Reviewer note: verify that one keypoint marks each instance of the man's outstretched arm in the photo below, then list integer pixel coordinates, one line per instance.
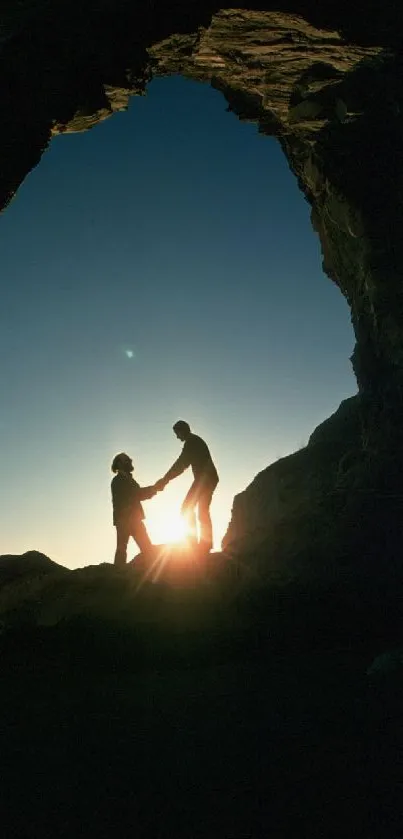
(176, 469)
(147, 492)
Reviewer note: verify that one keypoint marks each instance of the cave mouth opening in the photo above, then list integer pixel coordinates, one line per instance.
(167, 268)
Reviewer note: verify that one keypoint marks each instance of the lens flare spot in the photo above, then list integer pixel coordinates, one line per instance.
(168, 529)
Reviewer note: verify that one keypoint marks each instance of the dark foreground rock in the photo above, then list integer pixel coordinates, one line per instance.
(199, 704)
(330, 516)
(28, 566)
(212, 608)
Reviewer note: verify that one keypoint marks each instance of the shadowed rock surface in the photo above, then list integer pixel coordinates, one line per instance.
(25, 566)
(295, 487)
(217, 707)
(36, 592)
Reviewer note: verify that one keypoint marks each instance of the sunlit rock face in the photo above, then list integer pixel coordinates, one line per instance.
(335, 106)
(324, 78)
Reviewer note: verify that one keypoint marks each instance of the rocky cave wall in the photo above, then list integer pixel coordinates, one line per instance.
(325, 81)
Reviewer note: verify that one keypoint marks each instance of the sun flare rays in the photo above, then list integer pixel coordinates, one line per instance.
(168, 529)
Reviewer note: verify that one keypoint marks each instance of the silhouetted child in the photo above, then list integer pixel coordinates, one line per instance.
(128, 513)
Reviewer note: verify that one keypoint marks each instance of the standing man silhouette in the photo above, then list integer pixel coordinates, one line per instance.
(128, 513)
(195, 453)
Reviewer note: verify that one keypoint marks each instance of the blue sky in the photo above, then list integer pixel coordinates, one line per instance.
(177, 233)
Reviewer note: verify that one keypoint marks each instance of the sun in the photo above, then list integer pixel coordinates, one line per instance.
(175, 529)
(167, 529)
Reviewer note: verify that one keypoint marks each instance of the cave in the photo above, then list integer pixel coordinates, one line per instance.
(244, 710)
(327, 84)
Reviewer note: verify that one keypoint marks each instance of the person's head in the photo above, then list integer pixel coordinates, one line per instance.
(122, 463)
(182, 429)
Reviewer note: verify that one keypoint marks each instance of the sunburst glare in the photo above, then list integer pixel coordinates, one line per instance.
(168, 529)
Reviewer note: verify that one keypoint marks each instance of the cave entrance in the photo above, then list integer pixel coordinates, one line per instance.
(160, 266)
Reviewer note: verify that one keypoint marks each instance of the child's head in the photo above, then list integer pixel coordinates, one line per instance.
(122, 463)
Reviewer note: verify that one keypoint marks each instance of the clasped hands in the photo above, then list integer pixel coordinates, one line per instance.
(150, 491)
(160, 485)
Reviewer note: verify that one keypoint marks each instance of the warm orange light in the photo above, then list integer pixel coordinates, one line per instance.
(168, 529)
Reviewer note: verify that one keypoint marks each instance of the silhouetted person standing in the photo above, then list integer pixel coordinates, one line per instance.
(195, 453)
(128, 513)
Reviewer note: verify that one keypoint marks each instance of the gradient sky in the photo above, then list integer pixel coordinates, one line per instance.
(176, 235)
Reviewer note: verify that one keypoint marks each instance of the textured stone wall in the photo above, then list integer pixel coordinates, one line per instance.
(336, 108)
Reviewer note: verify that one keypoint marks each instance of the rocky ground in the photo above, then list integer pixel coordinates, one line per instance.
(198, 705)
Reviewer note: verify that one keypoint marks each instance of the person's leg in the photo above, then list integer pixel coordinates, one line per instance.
(206, 527)
(141, 537)
(122, 538)
(188, 512)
